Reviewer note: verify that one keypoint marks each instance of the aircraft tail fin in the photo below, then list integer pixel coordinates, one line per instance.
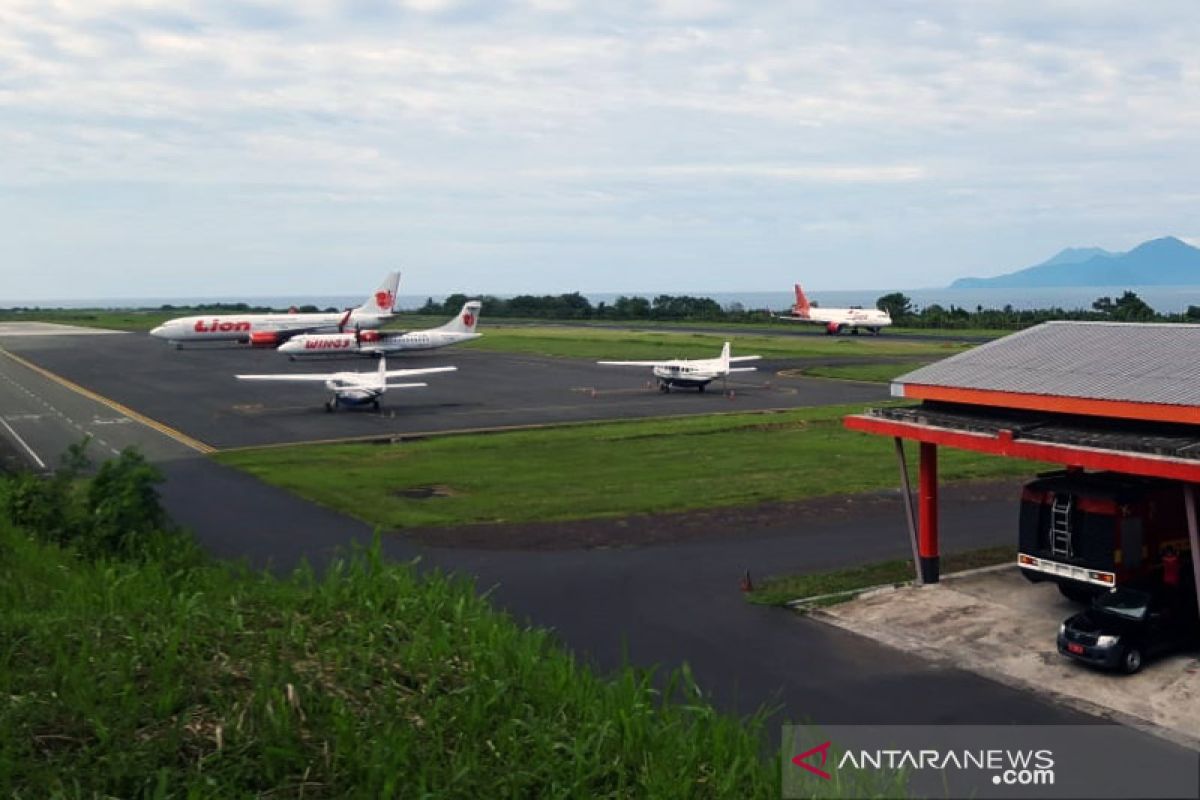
(466, 320)
(802, 307)
(383, 299)
(725, 357)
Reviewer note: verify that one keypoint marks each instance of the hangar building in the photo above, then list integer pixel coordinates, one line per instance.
(1121, 398)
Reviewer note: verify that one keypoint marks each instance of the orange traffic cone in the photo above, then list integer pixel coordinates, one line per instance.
(747, 584)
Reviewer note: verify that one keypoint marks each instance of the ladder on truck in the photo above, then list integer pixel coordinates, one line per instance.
(1060, 525)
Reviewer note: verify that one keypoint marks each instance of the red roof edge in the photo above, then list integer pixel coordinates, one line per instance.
(1004, 444)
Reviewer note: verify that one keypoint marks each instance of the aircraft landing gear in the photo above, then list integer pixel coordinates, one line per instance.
(854, 331)
(664, 387)
(330, 405)
(375, 404)
(700, 388)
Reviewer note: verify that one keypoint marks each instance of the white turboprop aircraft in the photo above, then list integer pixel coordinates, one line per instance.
(269, 330)
(377, 343)
(838, 320)
(356, 388)
(684, 372)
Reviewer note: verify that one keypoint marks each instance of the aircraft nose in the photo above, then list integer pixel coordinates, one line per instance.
(160, 331)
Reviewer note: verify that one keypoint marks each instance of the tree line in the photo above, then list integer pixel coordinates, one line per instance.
(575, 306)
(1128, 307)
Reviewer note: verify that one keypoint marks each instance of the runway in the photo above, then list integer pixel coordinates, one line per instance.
(40, 417)
(193, 391)
(785, 329)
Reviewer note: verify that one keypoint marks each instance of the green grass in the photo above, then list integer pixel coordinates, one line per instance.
(148, 679)
(952, 333)
(598, 343)
(780, 590)
(94, 318)
(600, 470)
(880, 373)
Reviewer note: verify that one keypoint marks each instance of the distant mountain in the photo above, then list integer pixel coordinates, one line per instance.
(1158, 262)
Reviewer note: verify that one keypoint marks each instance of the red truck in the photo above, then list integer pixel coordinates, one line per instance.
(1092, 531)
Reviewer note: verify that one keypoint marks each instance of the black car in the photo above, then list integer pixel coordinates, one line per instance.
(1127, 625)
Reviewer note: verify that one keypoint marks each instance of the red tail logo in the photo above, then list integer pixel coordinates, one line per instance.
(468, 319)
(802, 307)
(821, 750)
(384, 299)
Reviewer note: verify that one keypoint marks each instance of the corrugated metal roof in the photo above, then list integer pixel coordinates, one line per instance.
(1135, 362)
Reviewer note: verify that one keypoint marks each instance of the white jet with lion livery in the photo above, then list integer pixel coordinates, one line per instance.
(355, 388)
(271, 330)
(838, 320)
(695, 373)
(377, 343)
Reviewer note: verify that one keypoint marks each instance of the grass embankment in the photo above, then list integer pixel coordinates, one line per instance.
(883, 372)
(169, 675)
(780, 590)
(599, 343)
(598, 470)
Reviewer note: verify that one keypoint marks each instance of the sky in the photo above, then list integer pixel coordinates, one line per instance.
(219, 148)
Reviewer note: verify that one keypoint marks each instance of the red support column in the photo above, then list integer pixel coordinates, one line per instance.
(928, 502)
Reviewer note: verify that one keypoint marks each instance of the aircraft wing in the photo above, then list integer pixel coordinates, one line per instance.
(400, 373)
(406, 385)
(633, 363)
(744, 358)
(307, 376)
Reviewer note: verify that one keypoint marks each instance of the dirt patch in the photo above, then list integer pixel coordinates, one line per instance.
(716, 523)
(425, 492)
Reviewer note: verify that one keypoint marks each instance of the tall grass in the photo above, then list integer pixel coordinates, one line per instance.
(155, 679)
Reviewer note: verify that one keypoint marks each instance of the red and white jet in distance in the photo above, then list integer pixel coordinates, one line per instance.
(838, 320)
(697, 373)
(355, 388)
(271, 330)
(375, 343)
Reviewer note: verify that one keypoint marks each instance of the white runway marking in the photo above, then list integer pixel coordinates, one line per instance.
(54, 411)
(41, 464)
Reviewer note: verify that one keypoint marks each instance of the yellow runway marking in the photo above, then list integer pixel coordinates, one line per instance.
(165, 430)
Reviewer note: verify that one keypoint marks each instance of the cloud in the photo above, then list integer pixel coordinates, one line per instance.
(642, 130)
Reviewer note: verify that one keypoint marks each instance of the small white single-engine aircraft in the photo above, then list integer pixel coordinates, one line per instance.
(697, 373)
(838, 320)
(355, 388)
(377, 343)
(270, 330)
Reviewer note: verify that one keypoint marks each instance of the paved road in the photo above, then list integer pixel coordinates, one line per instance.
(652, 605)
(194, 391)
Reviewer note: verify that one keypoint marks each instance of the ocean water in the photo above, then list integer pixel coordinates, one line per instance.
(1166, 299)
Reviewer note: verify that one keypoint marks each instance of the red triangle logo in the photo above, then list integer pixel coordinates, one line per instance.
(802, 760)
